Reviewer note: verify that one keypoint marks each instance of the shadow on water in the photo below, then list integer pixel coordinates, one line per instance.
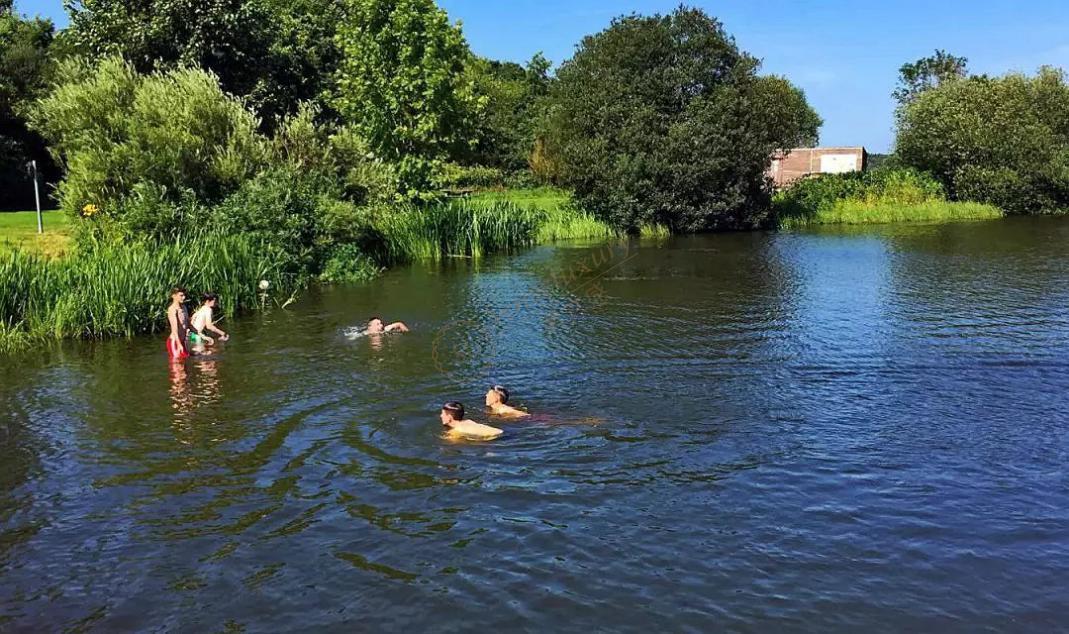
(830, 429)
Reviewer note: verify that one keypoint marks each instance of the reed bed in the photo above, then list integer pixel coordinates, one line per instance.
(121, 289)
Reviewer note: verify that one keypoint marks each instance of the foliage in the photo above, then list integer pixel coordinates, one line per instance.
(25, 67)
(172, 136)
(515, 103)
(456, 177)
(885, 195)
(121, 288)
(280, 206)
(404, 87)
(927, 73)
(275, 52)
(1003, 141)
(347, 264)
(663, 120)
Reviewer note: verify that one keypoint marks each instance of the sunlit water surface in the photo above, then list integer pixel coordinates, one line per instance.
(839, 430)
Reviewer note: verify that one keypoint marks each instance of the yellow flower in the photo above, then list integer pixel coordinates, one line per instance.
(89, 210)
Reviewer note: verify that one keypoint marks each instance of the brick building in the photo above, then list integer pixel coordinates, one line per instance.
(801, 162)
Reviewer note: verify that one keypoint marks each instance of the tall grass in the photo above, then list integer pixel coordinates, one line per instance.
(121, 289)
(850, 212)
(476, 228)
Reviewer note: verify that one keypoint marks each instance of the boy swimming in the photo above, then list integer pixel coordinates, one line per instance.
(178, 320)
(202, 321)
(452, 416)
(376, 326)
(497, 399)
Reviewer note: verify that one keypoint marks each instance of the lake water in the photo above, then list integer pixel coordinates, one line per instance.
(835, 431)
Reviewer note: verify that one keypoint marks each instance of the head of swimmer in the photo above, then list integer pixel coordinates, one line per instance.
(178, 295)
(451, 413)
(375, 325)
(497, 395)
(209, 299)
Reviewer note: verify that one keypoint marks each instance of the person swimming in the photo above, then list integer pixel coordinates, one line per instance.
(375, 326)
(497, 399)
(452, 417)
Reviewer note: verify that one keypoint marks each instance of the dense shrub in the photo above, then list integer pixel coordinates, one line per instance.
(114, 130)
(884, 195)
(811, 195)
(663, 120)
(1000, 140)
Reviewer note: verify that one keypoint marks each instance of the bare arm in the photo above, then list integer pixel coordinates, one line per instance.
(172, 319)
(397, 326)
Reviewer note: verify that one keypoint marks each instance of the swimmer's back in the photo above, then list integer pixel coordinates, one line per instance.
(474, 431)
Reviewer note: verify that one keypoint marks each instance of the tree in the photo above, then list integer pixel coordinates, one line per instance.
(1003, 140)
(275, 53)
(163, 137)
(927, 73)
(403, 84)
(515, 103)
(25, 66)
(663, 119)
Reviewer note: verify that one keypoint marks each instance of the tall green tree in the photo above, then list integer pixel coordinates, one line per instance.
(275, 53)
(663, 119)
(1002, 140)
(403, 84)
(515, 98)
(25, 66)
(927, 73)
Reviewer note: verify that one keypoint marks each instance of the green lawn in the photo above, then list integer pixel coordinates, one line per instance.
(18, 229)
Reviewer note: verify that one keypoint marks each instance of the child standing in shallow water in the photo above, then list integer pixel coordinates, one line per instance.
(203, 321)
(178, 320)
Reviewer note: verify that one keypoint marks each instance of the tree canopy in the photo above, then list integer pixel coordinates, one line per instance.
(928, 72)
(663, 119)
(275, 53)
(25, 66)
(403, 84)
(1001, 140)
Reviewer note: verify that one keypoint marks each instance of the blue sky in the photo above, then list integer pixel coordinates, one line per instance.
(845, 54)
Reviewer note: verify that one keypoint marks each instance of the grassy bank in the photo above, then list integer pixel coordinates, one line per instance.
(881, 196)
(18, 230)
(851, 212)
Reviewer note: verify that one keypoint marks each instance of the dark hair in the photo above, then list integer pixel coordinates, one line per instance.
(455, 408)
(178, 289)
(503, 391)
(208, 297)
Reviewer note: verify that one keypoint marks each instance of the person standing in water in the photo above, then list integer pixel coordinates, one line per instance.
(452, 417)
(202, 321)
(497, 399)
(178, 320)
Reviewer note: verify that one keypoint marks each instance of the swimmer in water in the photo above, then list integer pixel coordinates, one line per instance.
(497, 402)
(452, 417)
(375, 326)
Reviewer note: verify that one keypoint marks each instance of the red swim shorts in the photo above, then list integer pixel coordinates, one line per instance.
(175, 350)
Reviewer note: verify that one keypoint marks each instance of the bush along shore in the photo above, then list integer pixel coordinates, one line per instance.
(880, 196)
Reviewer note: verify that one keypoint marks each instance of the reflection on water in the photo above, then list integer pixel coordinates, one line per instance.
(832, 430)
